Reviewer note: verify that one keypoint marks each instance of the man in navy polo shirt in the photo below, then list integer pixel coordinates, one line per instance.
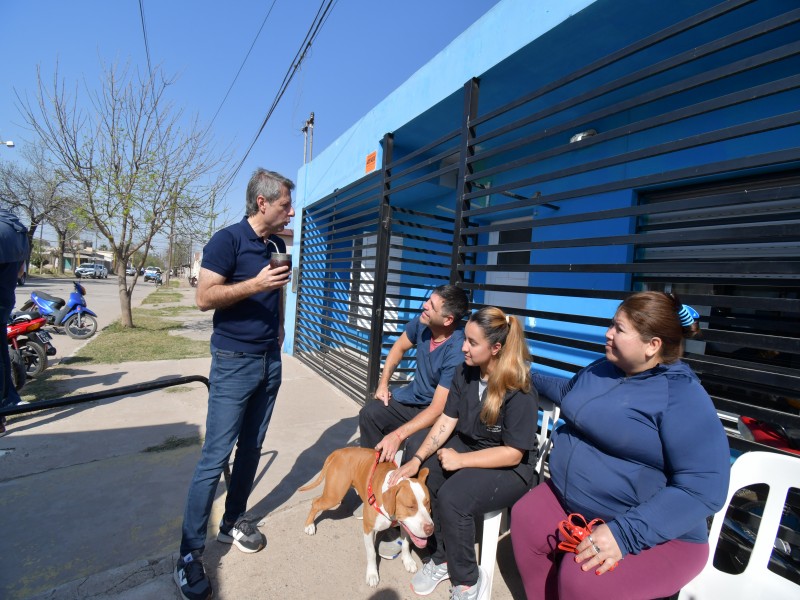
(247, 297)
(13, 254)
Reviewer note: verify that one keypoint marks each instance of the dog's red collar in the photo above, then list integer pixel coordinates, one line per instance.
(371, 500)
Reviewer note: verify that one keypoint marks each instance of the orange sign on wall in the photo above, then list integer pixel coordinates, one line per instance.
(372, 158)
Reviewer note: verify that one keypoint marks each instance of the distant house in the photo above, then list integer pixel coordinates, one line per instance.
(555, 157)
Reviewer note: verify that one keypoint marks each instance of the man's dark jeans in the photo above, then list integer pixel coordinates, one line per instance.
(240, 403)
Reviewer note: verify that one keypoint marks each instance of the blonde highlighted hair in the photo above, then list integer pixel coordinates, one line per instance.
(512, 371)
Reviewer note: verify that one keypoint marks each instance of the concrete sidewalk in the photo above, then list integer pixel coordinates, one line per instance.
(92, 496)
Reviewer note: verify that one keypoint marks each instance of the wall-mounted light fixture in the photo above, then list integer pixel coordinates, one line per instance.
(582, 135)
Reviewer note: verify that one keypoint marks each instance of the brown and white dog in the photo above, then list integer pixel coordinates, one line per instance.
(407, 503)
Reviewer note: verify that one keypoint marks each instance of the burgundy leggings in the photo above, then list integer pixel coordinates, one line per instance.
(547, 574)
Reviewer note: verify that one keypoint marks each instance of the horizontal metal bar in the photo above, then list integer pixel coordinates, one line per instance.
(791, 268)
(728, 199)
(424, 149)
(629, 50)
(684, 143)
(720, 367)
(724, 167)
(713, 104)
(753, 340)
(125, 390)
(757, 412)
(755, 233)
(344, 192)
(677, 60)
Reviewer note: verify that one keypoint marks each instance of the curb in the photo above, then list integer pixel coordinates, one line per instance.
(112, 582)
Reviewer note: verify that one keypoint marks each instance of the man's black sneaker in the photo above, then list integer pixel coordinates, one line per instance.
(243, 534)
(191, 579)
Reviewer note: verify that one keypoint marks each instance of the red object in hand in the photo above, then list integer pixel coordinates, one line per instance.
(574, 529)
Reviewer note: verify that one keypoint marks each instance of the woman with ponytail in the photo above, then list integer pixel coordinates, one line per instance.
(481, 452)
(641, 450)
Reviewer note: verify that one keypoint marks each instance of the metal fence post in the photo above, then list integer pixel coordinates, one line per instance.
(374, 352)
(471, 92)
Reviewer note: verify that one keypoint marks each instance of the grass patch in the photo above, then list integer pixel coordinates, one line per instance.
(162, 296)
(164, 311)
(173, 443)
(149, 338)
(52, 384)
(142, 343)
(178, 389)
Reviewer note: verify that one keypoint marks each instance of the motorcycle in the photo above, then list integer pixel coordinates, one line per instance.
(18, 375)
(770, 434)
(73, 315)
(24, 335)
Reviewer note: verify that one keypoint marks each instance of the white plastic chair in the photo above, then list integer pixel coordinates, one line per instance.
(779, 472)
(492, 521)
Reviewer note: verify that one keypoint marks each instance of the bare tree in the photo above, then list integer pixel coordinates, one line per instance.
(69, 222)
(32, 190)
(133, 156)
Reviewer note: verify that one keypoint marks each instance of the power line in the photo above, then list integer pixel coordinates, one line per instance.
(319, 20)
(146, 44)
(264, 22)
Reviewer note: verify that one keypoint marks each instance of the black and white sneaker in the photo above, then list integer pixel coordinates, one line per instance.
(190, 577)
(243, 534)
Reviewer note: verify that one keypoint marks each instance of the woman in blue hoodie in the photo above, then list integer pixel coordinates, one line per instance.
(641, 448)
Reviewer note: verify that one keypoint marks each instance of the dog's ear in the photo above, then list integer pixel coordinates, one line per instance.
(390, 499)
(423, 475)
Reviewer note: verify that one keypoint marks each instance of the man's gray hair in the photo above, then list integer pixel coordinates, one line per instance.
(268, 184)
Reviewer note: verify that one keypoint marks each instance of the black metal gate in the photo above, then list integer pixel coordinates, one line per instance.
(557, 204)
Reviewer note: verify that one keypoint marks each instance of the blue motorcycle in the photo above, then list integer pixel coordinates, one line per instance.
(77, 320)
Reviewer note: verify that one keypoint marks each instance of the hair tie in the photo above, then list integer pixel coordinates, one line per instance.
(508, 321)
(687, 315)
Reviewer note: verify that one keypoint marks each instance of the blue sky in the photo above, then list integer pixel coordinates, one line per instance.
(363, 52)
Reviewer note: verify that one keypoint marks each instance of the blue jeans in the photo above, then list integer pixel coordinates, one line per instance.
(240, 402)
(8, 394)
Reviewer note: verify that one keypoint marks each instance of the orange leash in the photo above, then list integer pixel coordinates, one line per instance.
(574, 529)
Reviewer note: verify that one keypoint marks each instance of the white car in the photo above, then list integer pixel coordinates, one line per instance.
(152, 274)
(93, 270)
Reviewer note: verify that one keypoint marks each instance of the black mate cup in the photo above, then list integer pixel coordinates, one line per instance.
(280, 259)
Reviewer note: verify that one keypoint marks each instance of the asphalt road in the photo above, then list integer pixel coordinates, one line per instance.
(102, 298)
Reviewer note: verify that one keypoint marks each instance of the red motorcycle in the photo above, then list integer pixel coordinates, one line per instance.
(24, 335)
(769, 434)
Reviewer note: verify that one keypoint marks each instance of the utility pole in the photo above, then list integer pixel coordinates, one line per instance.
(174, 194)
(308, 138)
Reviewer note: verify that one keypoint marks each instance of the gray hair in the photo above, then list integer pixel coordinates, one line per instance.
(267, 184)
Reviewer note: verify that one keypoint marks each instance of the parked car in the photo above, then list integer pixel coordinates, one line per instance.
(130, 271)
(23, 278)
(93, 270)
(152, 274)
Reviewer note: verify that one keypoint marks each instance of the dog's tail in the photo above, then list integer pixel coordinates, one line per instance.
(319, 479)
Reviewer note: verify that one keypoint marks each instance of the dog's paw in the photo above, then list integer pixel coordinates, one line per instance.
(409, 564)
(373, 578)
(310, 529)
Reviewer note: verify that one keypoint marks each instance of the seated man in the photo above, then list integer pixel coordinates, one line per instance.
(438, 336)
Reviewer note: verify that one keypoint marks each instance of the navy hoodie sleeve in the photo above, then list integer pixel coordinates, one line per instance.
(697, 464)
(554, 388)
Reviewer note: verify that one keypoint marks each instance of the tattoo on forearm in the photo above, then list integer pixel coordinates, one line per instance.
(436, 439)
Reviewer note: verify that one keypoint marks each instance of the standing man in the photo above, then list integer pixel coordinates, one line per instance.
(247, 297)
(13, 254)
(438, 335)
